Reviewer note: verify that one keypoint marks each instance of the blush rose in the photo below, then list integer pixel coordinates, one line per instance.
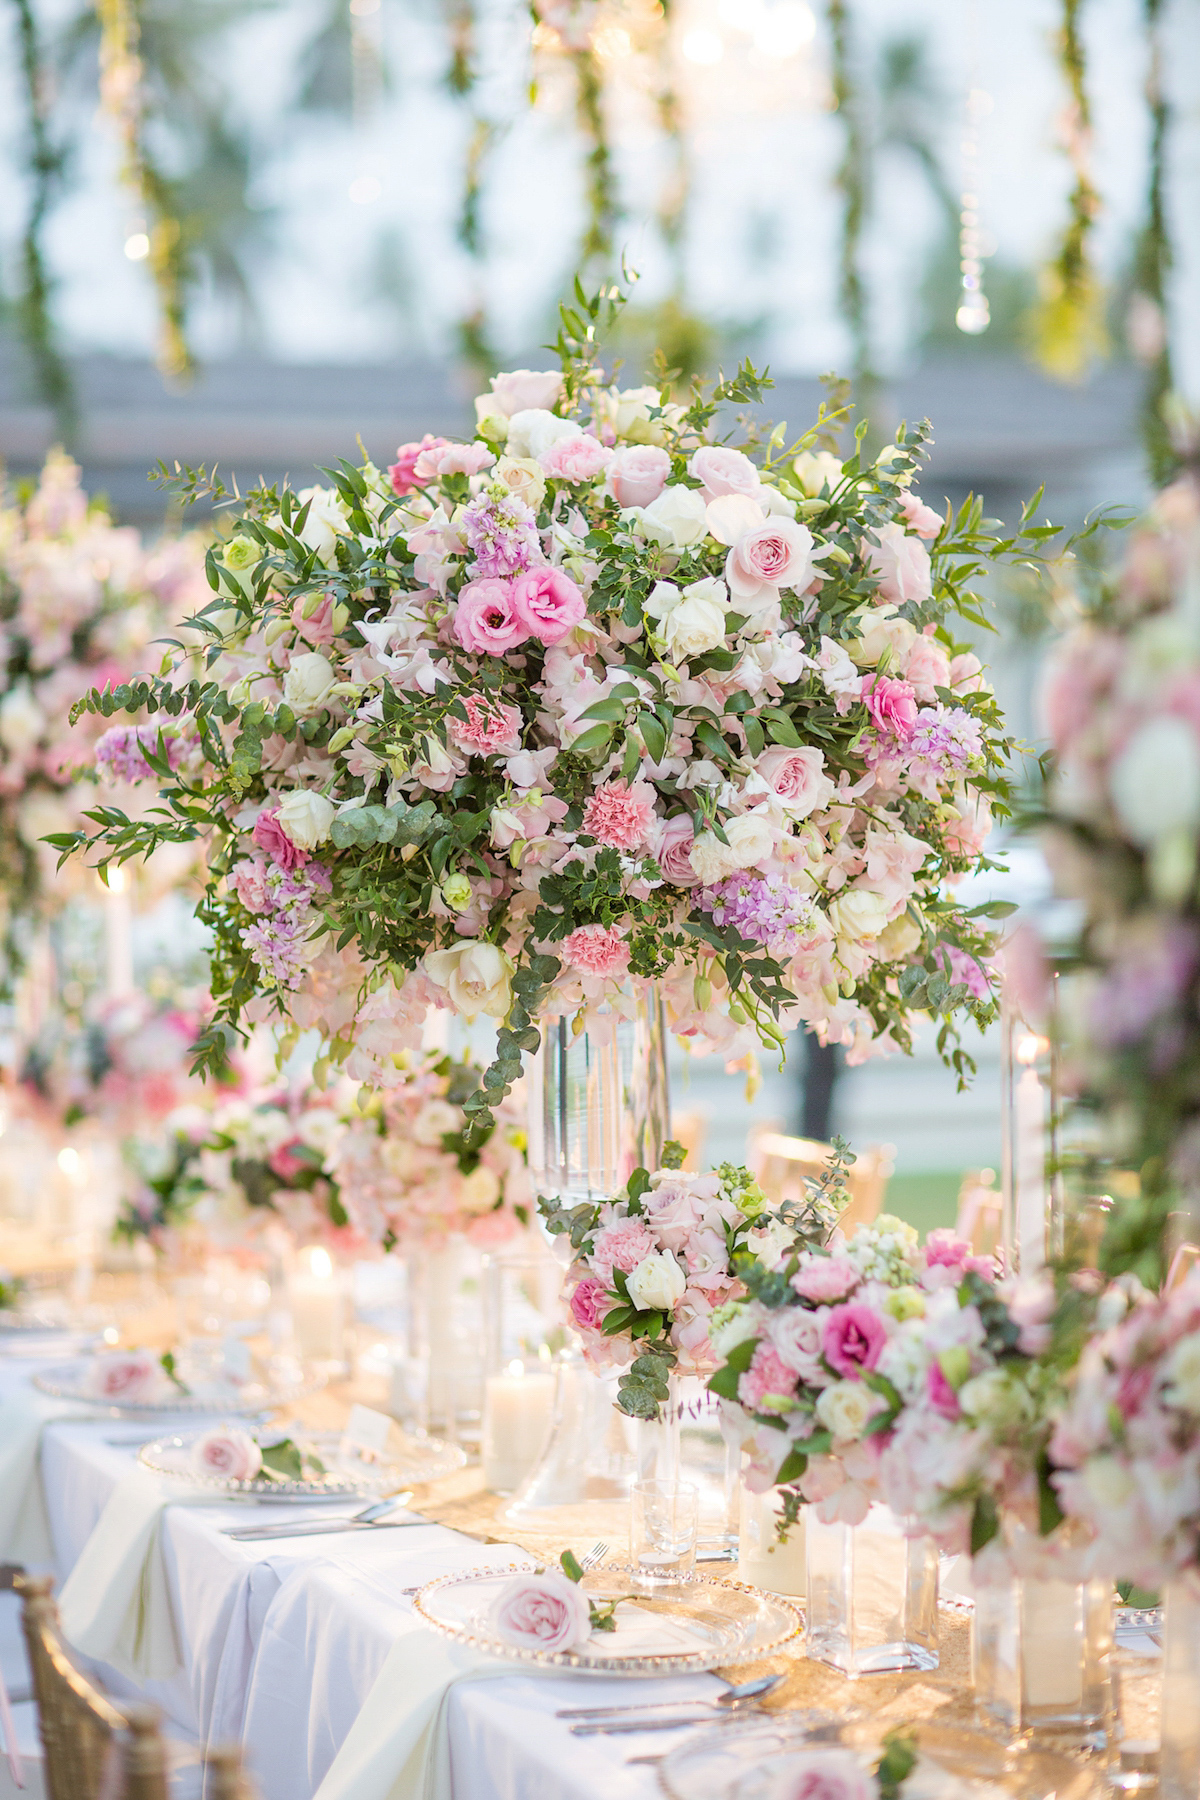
(541, 1612)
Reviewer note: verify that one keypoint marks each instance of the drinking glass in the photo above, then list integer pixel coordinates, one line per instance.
(1137, 1670)
(662, 1531)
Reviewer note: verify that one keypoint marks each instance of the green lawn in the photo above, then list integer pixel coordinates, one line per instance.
(924, 1200)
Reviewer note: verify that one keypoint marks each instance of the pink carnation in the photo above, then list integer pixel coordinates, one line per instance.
(270, 836)
(825, 1279)
(576, 458)
(622, 1245)
(589, 1303)
(490, 727)
(597, 950)
(548, 603)
(768, 1377)
(620, 815)
(891, 703)
(403, 472)
(250, 882)
(486, 619)
(854, 1338)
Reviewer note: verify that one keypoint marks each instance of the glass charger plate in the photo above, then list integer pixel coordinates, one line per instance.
(346, 1476)
(683, 1627)
(69, 1381)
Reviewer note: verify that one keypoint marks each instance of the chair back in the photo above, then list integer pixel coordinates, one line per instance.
(224, 1778)
(94, 1750)
(782, 1165)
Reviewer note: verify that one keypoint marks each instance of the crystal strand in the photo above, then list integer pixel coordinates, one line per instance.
(973, 315)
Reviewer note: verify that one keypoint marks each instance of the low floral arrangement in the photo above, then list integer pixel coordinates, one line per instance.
(137, 1377)
(603, 695)
(1120, 825)
(884, 1371)
(656, 1268)
(81, 601)
(1127, 1447)
(837, 1774)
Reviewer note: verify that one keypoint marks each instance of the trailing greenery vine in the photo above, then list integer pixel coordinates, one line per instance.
(1067, 326)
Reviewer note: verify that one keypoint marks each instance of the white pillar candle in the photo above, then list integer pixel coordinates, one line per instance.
(764, 1562)
(516, 1418)
(317, 1308)
(1052, 1646)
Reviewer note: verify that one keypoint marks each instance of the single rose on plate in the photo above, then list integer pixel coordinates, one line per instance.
(226, 1452)
(134, 1377)
(824, 1775)
(541, 1612)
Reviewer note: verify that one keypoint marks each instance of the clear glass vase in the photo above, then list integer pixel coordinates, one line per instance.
(1179, 1777)
(590, 1456)
(1040, 1655)
(598, 1101)
(446, 1361)
(872, 1595)
(764, 1560)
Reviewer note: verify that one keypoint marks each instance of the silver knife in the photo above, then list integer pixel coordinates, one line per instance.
(626, 1727)
(316, 1528)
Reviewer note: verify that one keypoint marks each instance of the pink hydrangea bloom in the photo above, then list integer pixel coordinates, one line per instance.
(270, 836)
(853, 1339)
(548, 603)
(620, 815)
(597, 950)
(403, 472)
(825, 1279)
(490, 728)
(768, 1378)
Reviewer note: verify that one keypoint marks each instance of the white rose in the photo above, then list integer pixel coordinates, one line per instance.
(858, 913)
(899, 938)
(479, 1191)
(326, 521)
(522, 477)
(994, 1400)
(308, 680)
(711, 859)
(846, 1408)
(435, 1119)
(627, 412)
(306, 817)
(813, 470)
(769, 1242)
(22, 720)
(532, 431)
(751, 838)
(676, 519)
(475, 975)
(1156, 780)
(658, 1281)
(881, 633)
(1108, 1482)
(694, 626)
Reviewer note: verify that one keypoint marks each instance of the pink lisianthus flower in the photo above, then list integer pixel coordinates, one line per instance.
(825, 1279)
(548, 603)
(270, 836)
(768, 1384)
(942, 1397)
(490, 728)
(576, 458)
(620, 815)
(589, 1303)
(919, 518)
(486, 620)
(403, 472)
(891, 703)
(638, 474)
(964, 969)
(597, 950)
(853, 1338)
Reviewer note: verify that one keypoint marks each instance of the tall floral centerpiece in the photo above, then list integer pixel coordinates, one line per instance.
(605, 695)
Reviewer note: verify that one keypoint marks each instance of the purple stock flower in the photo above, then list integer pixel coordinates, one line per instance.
(501, 532)
(963, 968)
(762, 908)
(119, 751)
(280, 936)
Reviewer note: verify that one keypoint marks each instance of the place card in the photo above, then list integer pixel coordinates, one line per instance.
(366, 1433)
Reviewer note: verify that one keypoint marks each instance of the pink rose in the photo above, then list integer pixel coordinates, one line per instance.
(486, 619)
(403, 472)
(918, 517)
(442, 458)
(966, 673)
(522, 389)
(270, 836)
(226, 1452)
(130, 1377)
(767, 1380)
(891, 703)
(775, 554)
(589, 1303)
(823, 1775)
(900, 564)
(638, 474)
(944, 1246)
(796, 1335)
(942, 1397)
(490, 728)
(250, 882)
(619, 815)
(576, 459)
(927, 669)
(796, 778)
(548, 603)
(674, 1208)
(597, 950)
(825, 1279)
(853, 1339)
(672, 851)
(724, 471)
(622, 1245)
(541, 1612)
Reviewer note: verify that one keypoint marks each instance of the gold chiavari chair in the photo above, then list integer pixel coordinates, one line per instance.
(781, 1165)
(224, 1778)
(94, 1750)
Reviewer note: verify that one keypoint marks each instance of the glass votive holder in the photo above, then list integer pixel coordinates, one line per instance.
(1137, 1677)
(663, 1525)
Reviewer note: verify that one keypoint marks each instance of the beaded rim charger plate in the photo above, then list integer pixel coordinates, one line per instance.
(705, 1623)
(69, 1381)
(345, 1477)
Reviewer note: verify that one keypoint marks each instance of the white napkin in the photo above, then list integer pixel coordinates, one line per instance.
(24, 1526)
(115, 1604)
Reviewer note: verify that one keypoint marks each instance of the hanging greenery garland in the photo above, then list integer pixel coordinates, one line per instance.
(122, 98)
(1067, 326)
(1152, 266)
(44, 162)
(851, 181)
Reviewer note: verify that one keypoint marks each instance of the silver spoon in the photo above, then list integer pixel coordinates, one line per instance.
(732, 1698)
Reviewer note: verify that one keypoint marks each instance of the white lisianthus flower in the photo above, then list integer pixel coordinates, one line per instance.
(22, 720)
(675, 520)
(657, 1282)
(306, 817)
(858, 913)
(838, 672)
(326, 521)
(883, 634)
(846, 1409)
(697, 624)
(752, 838)
(711, 859)
(531, 432)
(476, 975)
(308, 680)
(1156, 780)
(770, 1242)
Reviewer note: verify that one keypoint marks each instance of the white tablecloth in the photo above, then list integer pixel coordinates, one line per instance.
(281, 1642)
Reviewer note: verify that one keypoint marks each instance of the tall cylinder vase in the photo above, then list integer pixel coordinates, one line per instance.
(1180, 1769)
(598, 1101)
